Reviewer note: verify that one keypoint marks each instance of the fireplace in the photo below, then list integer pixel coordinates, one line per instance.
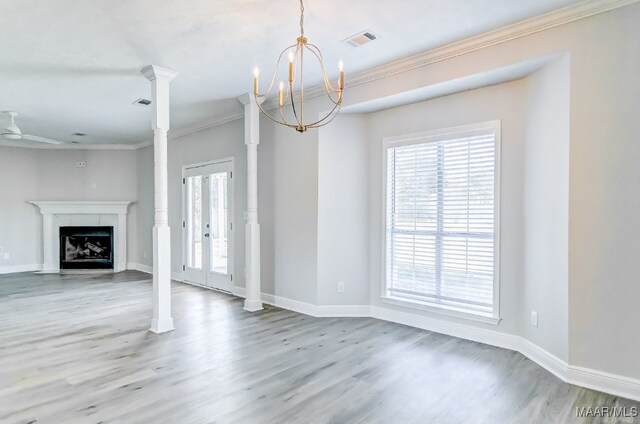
(86, 247)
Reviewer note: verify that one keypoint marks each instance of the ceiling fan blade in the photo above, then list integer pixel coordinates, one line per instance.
(40, 139)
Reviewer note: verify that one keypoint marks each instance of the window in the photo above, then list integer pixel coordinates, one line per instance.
(441, 226)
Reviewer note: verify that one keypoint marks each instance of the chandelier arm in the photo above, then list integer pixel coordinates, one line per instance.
(283, 122)
(321, 123)
(275, 73)
(318, 54)
(293, 105)
(331, 115)
(325, 80)
(328, 88)
(325, 123)
(289, 96)
(316, 51)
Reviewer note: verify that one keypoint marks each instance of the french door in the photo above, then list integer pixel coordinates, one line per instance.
(207, 231)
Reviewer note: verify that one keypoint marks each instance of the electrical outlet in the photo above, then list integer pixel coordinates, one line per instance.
(7, 255)
(340, 286)
(534, 318)
(81, 164)
(144, 255)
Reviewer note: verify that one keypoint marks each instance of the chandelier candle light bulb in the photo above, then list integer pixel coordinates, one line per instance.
(290, 66)
(295, 54)
(256, 75)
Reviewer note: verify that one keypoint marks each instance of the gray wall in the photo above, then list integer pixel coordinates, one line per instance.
(603, 229)
(603, 194)
(51, 174)
(546, 209)
(288, 210)
(224, 141)
(505, 102)
(343, 211)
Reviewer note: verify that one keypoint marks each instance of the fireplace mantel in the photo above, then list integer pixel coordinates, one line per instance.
(82, 213)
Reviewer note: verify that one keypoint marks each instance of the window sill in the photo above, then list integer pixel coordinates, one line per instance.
(440, 310)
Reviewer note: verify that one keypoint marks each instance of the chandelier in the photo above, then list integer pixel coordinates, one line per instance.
(295, 54)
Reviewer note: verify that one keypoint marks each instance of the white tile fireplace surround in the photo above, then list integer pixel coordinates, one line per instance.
(56, 214)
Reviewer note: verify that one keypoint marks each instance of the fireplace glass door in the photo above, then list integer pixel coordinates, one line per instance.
(207, 225)
(86, 247)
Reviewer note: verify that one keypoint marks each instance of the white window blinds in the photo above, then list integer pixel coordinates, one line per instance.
(440, 220)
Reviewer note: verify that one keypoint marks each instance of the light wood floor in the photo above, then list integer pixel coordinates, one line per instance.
(75, 349)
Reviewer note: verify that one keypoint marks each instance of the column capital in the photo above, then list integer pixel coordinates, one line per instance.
(153, 72)
(247, 98)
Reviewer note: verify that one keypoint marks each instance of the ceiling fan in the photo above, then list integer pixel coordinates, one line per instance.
(12, 132)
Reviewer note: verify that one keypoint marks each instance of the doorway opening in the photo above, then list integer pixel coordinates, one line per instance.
(207, 224)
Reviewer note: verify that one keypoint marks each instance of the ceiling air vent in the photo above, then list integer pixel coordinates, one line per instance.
(142, 102)
(360, 38)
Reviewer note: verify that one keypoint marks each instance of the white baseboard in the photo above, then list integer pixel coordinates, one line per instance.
(238, 291)
(542, 357)
(140, 267)
(585, 377)
(614, 384)
(462, 331)
(177, 276)
(20, 268)
(290, 304)
(601, 381)
(592, 379)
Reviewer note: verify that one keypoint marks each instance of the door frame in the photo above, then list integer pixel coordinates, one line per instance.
(230, 229)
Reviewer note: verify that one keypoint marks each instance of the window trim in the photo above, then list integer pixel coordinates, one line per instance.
(429, 137)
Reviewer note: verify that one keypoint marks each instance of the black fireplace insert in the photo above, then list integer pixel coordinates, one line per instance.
(86, 247)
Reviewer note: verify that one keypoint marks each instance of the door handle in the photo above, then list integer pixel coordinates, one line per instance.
(206, 234)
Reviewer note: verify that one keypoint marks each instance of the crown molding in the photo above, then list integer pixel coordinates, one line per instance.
(197, 127)
(545, 21)
(552, 19)
(74, 146)
(209, 123)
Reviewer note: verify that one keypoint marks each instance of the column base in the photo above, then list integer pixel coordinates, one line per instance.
(161, 321)
(162, 325)
(252, 305)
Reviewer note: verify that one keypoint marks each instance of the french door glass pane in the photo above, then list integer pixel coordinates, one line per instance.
(218, 222)
(194, 222)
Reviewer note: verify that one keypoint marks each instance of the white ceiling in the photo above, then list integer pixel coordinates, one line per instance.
(74, 65)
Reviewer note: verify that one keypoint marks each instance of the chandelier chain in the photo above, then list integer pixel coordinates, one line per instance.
(301, 19)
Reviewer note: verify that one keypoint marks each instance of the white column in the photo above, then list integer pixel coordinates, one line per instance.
(252, 301)
(160, 79)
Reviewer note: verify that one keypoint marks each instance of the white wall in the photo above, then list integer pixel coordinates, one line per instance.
(546, 208)
(343, 211)
(51, 174)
